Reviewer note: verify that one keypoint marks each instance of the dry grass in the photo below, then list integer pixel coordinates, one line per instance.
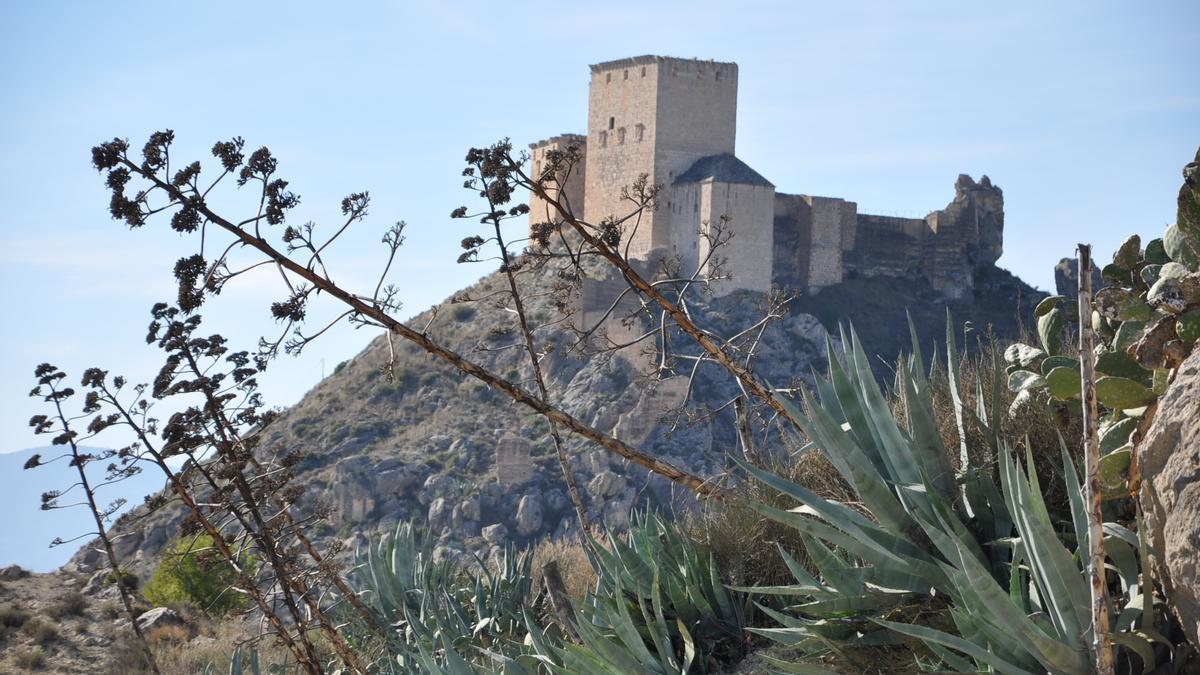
(745, 544)
(577, 573)
(1037, 426)
(177, 650)
(29, 659)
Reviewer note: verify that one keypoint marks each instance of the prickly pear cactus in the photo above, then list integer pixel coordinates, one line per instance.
(1146, 321)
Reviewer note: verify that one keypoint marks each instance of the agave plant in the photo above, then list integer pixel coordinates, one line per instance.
(660, 606)
(436, 609)
(1017, 595)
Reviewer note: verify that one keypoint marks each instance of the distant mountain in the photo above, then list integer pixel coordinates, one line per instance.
(26, 531)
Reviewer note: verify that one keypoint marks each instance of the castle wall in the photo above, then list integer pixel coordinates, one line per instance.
(792, 234)
(831, 219)
(810, 237)
(887, 246)
(573, 183)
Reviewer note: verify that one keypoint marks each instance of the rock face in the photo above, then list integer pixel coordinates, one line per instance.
(1169, 458)
(1066, 278)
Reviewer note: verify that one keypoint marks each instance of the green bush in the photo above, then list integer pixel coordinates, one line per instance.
(128, 579)
(194, 572)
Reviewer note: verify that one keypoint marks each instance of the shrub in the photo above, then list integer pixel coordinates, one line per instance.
(39, 630)
(128, 579)
(462, 313)
(69, 604)
(30, 659)
(193, 572)
(12, 616)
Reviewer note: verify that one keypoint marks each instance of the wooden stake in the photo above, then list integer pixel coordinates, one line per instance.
(559, 601)
(1101, 642)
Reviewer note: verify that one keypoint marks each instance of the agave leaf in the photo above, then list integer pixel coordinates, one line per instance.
(842, 518)
(1079, 517)
(981, 655)
(1054, 570)
(833, 570)
(1139, 645)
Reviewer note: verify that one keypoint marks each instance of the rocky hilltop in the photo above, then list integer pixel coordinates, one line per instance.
(429, 444)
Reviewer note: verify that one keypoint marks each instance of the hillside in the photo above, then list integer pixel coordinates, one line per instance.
(423, 443)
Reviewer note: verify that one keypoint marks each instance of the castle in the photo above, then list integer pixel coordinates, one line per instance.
(675, 121)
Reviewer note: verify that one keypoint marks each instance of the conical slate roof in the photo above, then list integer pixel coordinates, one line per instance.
(722, 168)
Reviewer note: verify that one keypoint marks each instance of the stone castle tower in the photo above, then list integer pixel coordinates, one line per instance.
(675, 121)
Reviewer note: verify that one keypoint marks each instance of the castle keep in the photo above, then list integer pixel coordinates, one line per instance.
(675, 121)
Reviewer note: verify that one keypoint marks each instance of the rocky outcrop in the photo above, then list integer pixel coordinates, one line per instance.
(1066, 278)
(159, 617)
(430, 445)
(1169, 460)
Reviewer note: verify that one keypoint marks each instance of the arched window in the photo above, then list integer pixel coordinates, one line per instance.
(604, 139)
(612, 121)
(639, 132)
(621, 136)
(607, 78)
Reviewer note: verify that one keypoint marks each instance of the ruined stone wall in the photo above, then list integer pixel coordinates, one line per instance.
(573, 183)
(811, 236)
(887, 246)
(966, 235)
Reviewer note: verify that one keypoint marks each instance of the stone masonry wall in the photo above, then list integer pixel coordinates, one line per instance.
(573, 184)
(621, 130)
(749, 212)
(887, 246)
(831, 218)
(653, 115)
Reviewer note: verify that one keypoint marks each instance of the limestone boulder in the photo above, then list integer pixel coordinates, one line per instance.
(495, 534)
(440, 511)
(529, 515)
(1169, 458)
(159, 617)
(605, 484)
(436, 486)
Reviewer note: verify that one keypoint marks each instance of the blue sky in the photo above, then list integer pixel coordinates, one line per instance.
(1083, 112)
